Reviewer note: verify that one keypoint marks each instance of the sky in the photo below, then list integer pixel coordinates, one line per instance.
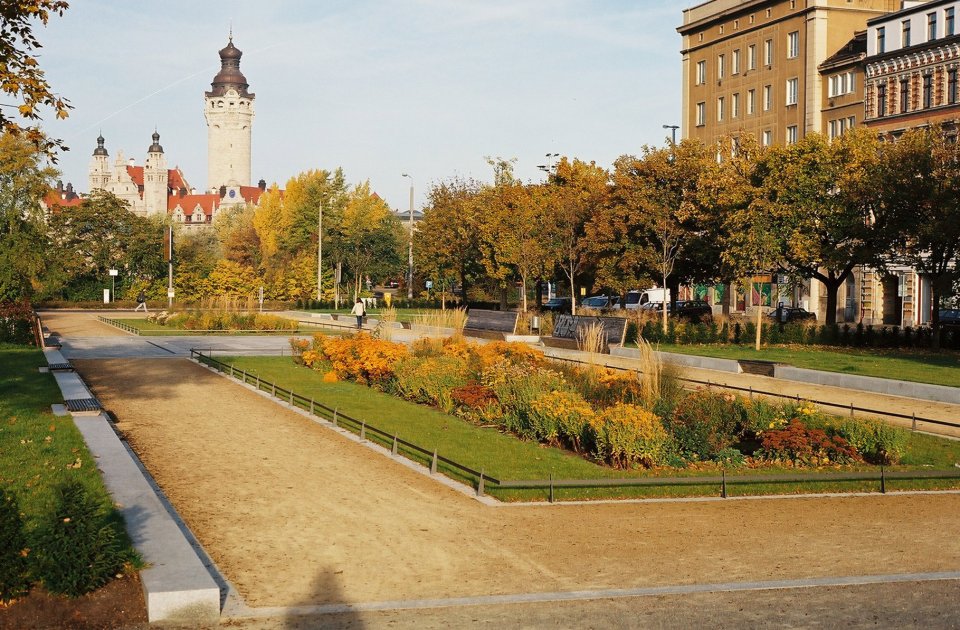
(379, 88)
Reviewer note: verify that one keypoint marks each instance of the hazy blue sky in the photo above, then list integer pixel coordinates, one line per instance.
(427, 87)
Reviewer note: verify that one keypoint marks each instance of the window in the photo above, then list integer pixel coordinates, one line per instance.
(927, 91)
(721, 60)
(735, 62)
(792, 134)
(720, 109)
(833, 129)
(948, 22)
(881, 100)
(736, 24)
(793, 45)
(881, 40)
(767, 139)
(952, 86)
(792, 91)
(905, 34)
(752, 57)
(701, 114)
(767, 97)
(904, 95)
(931, 26)
(751, 102)
(735, 106)
(768, 52)
(851, 121)
(841, 84)
(701, 72)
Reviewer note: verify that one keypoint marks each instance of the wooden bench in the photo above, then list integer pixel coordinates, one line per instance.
(568, 329)
(491, 324)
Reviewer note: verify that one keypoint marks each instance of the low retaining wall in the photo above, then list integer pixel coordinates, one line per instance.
(923, 391)
(686, 360)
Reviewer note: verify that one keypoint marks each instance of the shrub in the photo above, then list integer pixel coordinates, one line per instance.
(516, 387)
(14, 575)
(16, 322)
(361, 358)
(799, 444)
(626, 435)
(878, 442)
(473, 395)
(76, 549)
(704, 423)
(561, 417)
(430, 380)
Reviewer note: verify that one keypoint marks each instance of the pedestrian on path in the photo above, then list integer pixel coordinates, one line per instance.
(141, 301)
(360, 313)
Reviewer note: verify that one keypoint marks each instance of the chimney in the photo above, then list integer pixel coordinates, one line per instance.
(132, 162)
(262, 185)
(223, 191)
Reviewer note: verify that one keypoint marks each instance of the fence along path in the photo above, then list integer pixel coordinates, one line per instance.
(479, 479)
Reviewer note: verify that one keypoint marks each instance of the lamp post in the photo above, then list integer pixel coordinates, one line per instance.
(320, 254)
(410, 249)
(673, 133)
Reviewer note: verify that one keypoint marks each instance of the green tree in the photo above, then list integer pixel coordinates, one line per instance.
(920, 179)
(238, 237)
(369, 237)
(24, 181)
(20, 75)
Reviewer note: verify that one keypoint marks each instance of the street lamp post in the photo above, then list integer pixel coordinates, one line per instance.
(673, 133)
(320, 254)
(410, 249)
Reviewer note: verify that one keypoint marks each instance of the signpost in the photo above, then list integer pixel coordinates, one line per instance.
(113, 285)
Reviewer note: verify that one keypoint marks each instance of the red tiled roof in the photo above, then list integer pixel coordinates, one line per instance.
(208, 203)
(251, 194)
(55, 201)
(175, 178)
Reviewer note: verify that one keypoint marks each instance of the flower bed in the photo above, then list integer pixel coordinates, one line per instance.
(617, 418)
(212, 320)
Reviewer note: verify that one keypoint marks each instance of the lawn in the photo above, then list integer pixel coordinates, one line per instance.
(505, 457)
(919, 366)
(39, 450)
(403, 314)
(149, 329)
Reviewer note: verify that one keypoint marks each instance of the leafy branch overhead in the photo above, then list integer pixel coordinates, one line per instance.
(21, 76)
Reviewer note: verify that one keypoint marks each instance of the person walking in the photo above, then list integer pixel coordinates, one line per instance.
(141, 301)
(360, 312)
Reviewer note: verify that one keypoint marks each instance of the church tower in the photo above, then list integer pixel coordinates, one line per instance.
(99, 174)
(229, 114)
(155, 177)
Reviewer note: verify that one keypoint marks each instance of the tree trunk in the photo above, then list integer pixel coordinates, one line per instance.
(463, 286)
(935, 315)
(832, 286)
(539, 291)
(523, 281)
(503, 298)
(727, 296)
(663, 305)
(573, 292)
(759, 314)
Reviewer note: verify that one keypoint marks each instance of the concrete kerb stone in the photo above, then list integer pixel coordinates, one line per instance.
(177, 586)
(891, 387)
(686, 360)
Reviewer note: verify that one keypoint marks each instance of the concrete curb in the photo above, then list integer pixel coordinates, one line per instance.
(177, 586)
(686, 360)
(891, 387)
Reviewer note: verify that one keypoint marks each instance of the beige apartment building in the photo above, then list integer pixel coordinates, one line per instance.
(753, 66)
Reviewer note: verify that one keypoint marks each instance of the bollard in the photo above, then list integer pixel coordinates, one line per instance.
(231, 370)
(551, 487)
(335, 409)
(363, 430)
(480, 484)
(258, 381)
(751, 392)
(291, 397)
(433, 463)
(913, 427)
(273, 389)
(851, 410)
(883, 482)
(393, 451)
(311, 407)
(723, 484)
(243, 376)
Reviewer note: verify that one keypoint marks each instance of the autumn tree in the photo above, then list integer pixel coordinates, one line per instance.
(448, 238)
(237, 235)
(575, 191)
(21, 77)
(24, 181)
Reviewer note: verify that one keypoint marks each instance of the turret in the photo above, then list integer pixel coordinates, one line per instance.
(229, 114)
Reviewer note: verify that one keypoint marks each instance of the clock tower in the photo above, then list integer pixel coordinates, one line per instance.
(229, 114)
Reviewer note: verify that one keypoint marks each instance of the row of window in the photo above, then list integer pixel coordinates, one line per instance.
(844, 83)
(792, 94)
(906, 91)
(933, 30)
(793, 51)
(838, 127)
(752, 18)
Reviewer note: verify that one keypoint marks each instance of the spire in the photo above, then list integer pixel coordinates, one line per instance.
(229, 75)
(100, 150)
(155, 147)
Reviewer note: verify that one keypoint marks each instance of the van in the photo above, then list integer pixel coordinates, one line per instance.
(637, 299)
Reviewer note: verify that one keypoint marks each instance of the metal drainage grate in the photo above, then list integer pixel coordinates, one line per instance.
(60, 367)
(52, 342)
(83, 404)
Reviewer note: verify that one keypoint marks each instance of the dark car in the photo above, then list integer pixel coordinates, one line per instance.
(792, 314)
(557, 305)
(694, 310)
(950, 318)
(601, 302)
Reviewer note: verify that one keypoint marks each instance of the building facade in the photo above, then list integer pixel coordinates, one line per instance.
(751, 66)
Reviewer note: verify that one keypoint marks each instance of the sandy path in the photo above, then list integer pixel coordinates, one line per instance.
(295, 514)
(72, 324)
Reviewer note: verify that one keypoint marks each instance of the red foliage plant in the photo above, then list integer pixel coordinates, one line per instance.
(473, 395)
(801, 444)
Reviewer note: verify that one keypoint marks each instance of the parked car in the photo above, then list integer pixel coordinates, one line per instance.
(601, 302)
(694, 310)
(557, 305)
(950, 318)
(640, 299)
(792, 314)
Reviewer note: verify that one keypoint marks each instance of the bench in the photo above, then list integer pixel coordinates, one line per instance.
(490, 324)
(568, 329)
